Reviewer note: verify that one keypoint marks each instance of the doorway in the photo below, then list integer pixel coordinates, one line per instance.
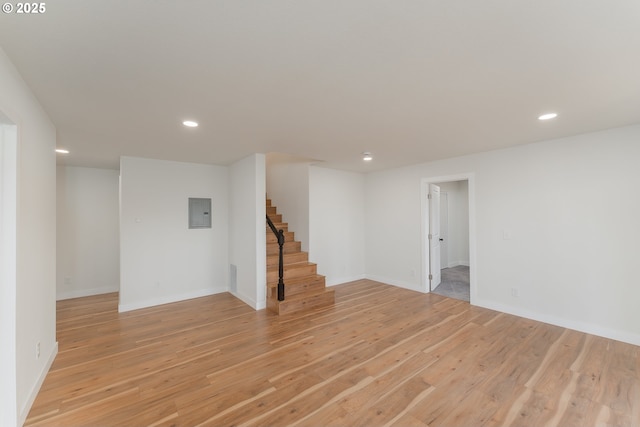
(448, 236)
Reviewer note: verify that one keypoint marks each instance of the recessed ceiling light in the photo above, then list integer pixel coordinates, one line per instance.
(548, 116)
(62, 151)
(190, 123)
(367, 157)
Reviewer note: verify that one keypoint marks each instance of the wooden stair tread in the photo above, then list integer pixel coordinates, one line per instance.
(299, 297)
(292, 270)
(323, 291)
(288, 248)
(296, 281)
(288, 237)
(300, 256)
(300, 264)
(304, 288)
(288, 259)
(295, 264)
(278, 226)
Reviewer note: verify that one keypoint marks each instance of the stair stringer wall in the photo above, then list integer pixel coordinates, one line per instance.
(247, 240)
(287, 183)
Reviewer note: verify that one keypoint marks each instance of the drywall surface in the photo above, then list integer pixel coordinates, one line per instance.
(8, 283)
(556, 229)
(247, 231)
(88, 247)
(35, 237)
(288, 189)
(337, 224)
(161, 259)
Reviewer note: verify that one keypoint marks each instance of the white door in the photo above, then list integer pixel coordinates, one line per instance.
(444, 229)
(434, 236)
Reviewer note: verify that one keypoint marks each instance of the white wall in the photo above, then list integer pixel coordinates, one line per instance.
(569, 263)
(35, 256)
(288, 189)
(458, 222)
(393, 222)
(247, 232)
(88, 246)
(161, 259)
(8, 226)
(337, 224)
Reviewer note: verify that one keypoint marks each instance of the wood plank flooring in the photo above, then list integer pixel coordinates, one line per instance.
(381, 356)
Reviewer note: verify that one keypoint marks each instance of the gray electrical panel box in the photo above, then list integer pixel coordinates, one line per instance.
(199, 213)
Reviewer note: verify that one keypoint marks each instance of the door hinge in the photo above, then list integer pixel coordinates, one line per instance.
(429, 196)
(431, 277)
(430, 236)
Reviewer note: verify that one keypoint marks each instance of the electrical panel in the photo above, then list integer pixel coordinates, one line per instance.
(199, 213)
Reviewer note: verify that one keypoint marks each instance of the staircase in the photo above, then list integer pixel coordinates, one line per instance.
(304, 288)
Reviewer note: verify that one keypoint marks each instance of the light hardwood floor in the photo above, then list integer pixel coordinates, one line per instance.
(381, 356)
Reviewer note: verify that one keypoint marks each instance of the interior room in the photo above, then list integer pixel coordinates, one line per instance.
(224, 213)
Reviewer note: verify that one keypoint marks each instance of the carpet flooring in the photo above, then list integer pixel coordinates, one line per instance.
(455, 283)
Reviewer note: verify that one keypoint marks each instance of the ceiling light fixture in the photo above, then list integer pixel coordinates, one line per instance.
(366, 156)
(62, 151)
(190, 123)
(548, 116)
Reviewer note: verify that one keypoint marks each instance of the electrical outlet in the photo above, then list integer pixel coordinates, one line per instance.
(514, 292)
(38, 350)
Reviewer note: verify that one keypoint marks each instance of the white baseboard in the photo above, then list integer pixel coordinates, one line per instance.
(393, 282)
(79, 293)
(33, 393)
(249, 301)
(588, 328)
(341, 280)
(169, 299)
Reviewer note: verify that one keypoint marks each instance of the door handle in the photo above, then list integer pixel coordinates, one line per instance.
(442, 240)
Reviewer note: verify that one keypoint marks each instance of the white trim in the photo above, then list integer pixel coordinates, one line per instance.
(588, 328)
(394, 282)
(424, 229)
(79, 293)
(250, 301)
(33, 393)
(342, 280)
(169, 299)
(424, 240)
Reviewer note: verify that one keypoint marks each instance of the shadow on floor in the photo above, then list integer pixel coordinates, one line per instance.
(455, 283)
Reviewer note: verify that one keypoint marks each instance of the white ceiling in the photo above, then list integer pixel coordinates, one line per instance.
(410, 81)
